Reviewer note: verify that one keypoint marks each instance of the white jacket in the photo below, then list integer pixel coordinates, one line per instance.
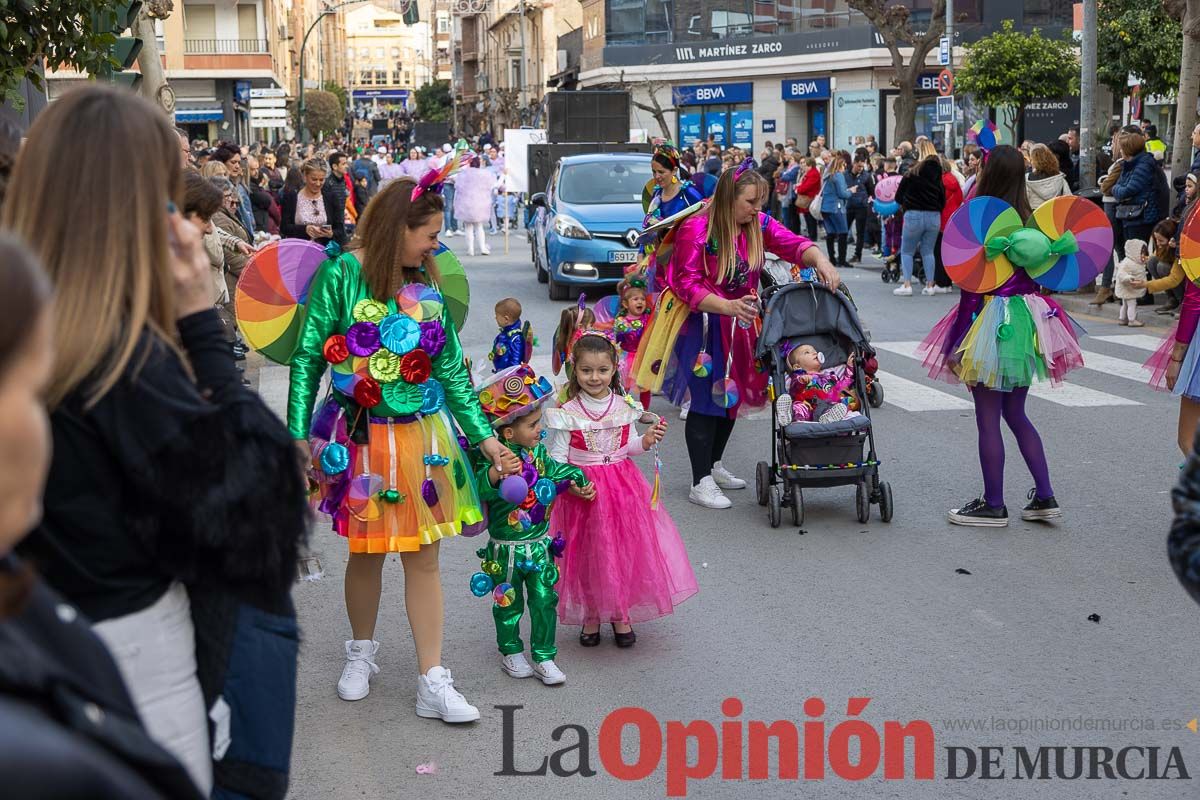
(1044, 189)
(1130, 268)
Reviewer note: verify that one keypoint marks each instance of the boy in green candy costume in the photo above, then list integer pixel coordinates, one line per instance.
(520, 552)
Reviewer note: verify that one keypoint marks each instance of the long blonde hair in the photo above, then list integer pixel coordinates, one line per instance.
(725, 231)
(99, 229)
(381, 231)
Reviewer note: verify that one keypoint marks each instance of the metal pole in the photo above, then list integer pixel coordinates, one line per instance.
(953, 133)
(1087, 98)
(524, 82)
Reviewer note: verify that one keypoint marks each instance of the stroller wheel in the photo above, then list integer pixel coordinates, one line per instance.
(797, 504)
(862, 501)
(762, 481)
(875, 393)
(885, 502)
(885, 275)
(775, 506)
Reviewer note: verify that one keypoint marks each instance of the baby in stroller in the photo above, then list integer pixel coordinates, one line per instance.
(818, 393)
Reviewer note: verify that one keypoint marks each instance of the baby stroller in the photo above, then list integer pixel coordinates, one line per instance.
(817, 454)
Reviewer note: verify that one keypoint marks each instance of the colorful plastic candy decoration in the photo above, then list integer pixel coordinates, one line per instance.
(334, 458)
(492, 568)
(513, 489)
(984, 134)
(363, 500)
(504, 595)
(429, 492)
(963, 245)
(421, 302)
(481, 584)
(557, 545)
(703, 366)
(725, 393)
(545, 491)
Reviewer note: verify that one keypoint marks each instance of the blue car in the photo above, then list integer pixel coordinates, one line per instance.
(587, 221)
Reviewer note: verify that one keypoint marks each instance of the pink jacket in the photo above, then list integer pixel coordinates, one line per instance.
(473, 194)
(693, 270)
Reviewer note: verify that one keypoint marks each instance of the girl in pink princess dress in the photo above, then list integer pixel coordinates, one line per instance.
(624, 561)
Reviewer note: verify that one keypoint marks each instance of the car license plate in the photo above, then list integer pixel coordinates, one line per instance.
(622, 256)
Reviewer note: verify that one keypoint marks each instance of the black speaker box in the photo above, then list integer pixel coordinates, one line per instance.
(588, 116)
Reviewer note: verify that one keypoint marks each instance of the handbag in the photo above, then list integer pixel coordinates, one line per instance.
(1130, 211)
(803, 201)
(781, 188)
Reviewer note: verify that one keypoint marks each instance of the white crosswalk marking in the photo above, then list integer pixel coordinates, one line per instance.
(1115, 366)
(913, 396)
(1067, 394)
(1141, 341)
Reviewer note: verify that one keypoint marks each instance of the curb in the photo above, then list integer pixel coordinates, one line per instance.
(1077, 306)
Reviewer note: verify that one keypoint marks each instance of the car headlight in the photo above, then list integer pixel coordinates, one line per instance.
(570, 228)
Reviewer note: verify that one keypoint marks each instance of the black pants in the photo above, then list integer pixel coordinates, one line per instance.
(706, 437)
(856, 220)
(812, 225)
(940, 276)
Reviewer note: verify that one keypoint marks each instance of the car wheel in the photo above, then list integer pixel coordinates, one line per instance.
(542, 275)
(557, 290)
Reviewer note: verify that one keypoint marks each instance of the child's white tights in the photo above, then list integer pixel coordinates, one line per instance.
(1128, 311)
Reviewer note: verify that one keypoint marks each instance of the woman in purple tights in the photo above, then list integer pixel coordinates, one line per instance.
(997, 344)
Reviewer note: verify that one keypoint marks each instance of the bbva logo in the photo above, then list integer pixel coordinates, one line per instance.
(710, 93)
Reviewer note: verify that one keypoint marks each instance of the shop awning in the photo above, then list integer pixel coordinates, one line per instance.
(188, 115)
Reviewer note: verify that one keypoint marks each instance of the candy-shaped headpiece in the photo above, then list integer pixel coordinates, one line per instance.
(513, 393)
(434, 180)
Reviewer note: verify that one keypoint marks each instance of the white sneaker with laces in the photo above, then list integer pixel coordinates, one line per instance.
(929, 291)
(517, 666)
(902, 291)
(706, 493)
(483, 251)
(549, 673)
(726, 479)
(683, 409)
(941, 290)
(355, 683)
(438, 699)
(783, 410)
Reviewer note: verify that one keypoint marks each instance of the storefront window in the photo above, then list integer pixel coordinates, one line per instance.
(625, 21)
(1049, 12)
(658, 21)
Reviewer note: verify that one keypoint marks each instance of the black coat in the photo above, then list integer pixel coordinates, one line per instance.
(334, 212)
(921, 189)
(68, 728)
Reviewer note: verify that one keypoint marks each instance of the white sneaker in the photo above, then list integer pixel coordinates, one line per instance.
(929, 291)
(355, 683)
(902, 291)
(726, 479)
(549, 673)
(706, 493)
(941, 290)
(683, 409)
(438, 699)
(449, 234)
(483, 251)
(517, 666)
(470, 251)
(783, 410)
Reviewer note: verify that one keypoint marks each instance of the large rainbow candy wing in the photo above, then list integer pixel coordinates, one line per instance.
(1189, 246)
(270, 296)
(1081, 241)
(456, 290)
(963, 250)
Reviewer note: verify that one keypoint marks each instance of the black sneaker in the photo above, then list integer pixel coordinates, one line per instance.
(1040, 509)
(978, 514)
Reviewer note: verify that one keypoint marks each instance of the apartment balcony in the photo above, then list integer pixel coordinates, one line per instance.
(224, 47)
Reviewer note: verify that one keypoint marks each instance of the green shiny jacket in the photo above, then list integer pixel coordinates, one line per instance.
(499, 509)
(337, 287)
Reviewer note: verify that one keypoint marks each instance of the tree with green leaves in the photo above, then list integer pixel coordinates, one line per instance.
(1012, 69)
(323, 113)
(1139, 38)
(892, 22)
(434, 103)
(66, 32)
(336, 89)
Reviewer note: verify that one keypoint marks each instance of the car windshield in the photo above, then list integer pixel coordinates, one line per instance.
(599, 182)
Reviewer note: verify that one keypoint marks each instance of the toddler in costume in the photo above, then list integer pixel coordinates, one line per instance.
(520, 552)
(571, 320)
(510, 346)
(817, 393)
(624, 561)
(631, 321)
(1131, 268)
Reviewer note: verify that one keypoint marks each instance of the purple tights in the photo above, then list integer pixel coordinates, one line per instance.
(990, 406)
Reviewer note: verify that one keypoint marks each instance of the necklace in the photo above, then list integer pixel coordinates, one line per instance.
(611, 396)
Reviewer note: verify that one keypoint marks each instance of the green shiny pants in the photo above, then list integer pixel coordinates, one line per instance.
(532, 586)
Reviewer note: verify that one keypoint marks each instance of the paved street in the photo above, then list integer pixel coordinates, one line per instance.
(844, 610)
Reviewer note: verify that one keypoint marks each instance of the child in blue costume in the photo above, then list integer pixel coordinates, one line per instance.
(508, 349)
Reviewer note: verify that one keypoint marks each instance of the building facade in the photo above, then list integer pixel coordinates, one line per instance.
(387, 58)
(752, 71)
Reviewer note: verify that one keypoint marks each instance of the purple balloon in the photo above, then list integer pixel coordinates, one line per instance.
(514, 489)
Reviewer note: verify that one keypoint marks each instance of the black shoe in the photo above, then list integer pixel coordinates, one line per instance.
(1167, 309)
(625, 639)
(1039, 509)
(589, 639)
(978, 514)
(856, 258)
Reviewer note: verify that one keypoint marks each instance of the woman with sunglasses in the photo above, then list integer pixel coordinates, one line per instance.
(313, 211)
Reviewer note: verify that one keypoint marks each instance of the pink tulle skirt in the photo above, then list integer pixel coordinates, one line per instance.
(623, 562)
(1188, 383)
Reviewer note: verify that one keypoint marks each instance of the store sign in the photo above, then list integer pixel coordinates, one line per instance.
(712, 94)
(927, 82)
(380, 94)
(806, 89)
(836, 40)
(768, 126)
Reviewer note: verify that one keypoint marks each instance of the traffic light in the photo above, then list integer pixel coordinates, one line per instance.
(125, 49)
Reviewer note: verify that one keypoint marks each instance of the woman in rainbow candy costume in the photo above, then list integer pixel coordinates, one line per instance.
(668, 192)
(700, 343)
(1001, 340)
(385, 454)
